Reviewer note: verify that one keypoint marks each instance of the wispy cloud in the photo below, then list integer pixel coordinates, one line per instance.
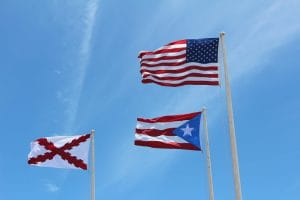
(52, 187)
(268, 30)
(78, 78)
(70, 95)
(58, 72)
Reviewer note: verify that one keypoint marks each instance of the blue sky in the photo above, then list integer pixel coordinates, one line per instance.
(70, 66)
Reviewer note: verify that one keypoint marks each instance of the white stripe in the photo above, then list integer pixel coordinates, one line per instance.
(159, 125)
(164, 61)
(180, 66)
(181, 74)
(164, 54)
(161, 138)
(183, 80)
(172, 46)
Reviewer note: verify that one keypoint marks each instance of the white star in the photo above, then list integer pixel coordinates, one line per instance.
(187, 130)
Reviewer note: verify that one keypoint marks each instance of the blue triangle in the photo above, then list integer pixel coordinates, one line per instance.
(190, 131)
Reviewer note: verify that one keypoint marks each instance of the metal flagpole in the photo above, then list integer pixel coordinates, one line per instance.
(93, 165)
(236, 173)
(209, 171)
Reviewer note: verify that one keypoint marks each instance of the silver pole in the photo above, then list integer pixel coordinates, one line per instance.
(93, 165)
(208, 160)
(235, 163)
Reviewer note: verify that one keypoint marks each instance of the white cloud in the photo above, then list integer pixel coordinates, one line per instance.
(58, 72)
(269, 29)
(71, 95)
(52, 187)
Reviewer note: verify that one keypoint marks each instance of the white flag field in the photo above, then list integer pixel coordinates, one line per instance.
(69, 152)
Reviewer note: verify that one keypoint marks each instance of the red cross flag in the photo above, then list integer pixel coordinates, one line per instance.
(60, 152)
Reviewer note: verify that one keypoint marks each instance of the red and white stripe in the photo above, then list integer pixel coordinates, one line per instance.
(157, 132)
(167, 66)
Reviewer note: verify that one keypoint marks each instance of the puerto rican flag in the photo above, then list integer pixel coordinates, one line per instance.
(170, 132)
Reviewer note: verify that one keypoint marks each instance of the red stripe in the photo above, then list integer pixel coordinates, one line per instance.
(163, 58)
(174, 50)
(170, 118)
(171, 43)
(156, 144)
(155, 132)
(210, 68)
(177, 42)
(182, 77)
(181, 84)
(164, 64)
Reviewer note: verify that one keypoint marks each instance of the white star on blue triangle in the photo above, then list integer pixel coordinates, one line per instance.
(189, 131)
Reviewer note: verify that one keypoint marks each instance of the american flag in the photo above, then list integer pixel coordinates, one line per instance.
(170, 132)
(183, 62)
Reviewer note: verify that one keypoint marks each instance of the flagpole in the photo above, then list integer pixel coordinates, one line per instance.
(208, 160)
(235, 164)
(93, 165)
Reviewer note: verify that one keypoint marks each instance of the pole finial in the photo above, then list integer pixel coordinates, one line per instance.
(222, 33)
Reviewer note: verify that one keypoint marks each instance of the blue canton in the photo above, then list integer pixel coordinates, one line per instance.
(190, 131)
(202, 50)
